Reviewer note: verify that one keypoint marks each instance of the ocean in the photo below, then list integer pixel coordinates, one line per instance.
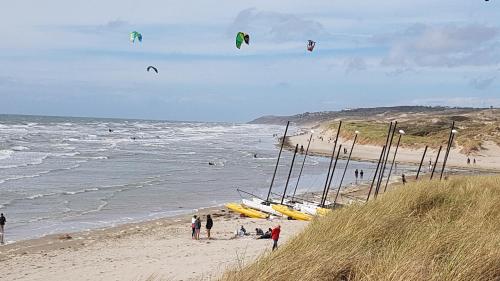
(62, 174)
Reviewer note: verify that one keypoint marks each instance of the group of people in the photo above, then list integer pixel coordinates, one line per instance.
(468, 161)
(196, 226)
(271, 233)
(359, 174)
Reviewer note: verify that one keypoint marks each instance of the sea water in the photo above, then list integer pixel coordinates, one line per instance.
(61, 174)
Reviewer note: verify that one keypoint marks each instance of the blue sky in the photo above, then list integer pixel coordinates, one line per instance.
(60, 57)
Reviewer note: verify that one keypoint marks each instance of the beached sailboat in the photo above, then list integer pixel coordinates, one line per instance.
(259, 204)
(239, 208)
(292, 213)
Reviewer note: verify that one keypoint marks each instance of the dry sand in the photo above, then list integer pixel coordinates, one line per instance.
(486, 159)
(161, 248)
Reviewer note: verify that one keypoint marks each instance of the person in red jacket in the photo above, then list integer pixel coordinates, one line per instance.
(275, 235)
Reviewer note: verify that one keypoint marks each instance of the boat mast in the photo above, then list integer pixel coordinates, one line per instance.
(302, 167)
(323, 199)
(277, 162)
(289, 174)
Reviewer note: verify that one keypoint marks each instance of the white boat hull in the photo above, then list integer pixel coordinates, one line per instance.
(256, 204)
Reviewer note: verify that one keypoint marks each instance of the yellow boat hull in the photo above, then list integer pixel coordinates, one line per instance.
(289, 212)
(238, 208)
(323, 211)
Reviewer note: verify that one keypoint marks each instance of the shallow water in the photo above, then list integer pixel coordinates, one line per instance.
(69, 174)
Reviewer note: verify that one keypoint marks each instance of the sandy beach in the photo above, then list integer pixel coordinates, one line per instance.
(486, 159)
(160, 249)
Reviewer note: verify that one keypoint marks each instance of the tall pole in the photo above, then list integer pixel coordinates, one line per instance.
(435, 162)
(448, 147)
(446, 156)
(401, 133)
(386, 156)
(421, 162)
(289, 173)
(302, 167)
(323, 199)
(345, 169)
(277, 162)
(375, 175)
(328, 174)
(331, 160)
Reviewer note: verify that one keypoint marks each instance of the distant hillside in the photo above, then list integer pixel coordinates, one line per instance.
(309, 118)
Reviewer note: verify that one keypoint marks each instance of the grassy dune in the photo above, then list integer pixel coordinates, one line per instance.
(447, 230)
(425, 131)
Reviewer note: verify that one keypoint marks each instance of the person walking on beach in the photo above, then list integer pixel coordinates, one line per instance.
(356, 173)
(209, 225)
(3, 220)
(468, 161)
(361, 174)
(403, 178)
(193, 222)
(197, 227)
(275, 235)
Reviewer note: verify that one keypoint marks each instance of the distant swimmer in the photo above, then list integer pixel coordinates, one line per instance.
(110, 130)
(211, 163)
(255, 155)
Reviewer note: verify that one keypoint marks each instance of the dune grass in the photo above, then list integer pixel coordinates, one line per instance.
(429, 230)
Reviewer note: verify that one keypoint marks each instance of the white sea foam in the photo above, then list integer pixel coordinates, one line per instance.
(19, 148)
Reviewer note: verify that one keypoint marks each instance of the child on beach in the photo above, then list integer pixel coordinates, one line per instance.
(193, 221)
(197, 227)
(209, 225)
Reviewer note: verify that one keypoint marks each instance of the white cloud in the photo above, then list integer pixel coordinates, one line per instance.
(276, 26)
(442, 46)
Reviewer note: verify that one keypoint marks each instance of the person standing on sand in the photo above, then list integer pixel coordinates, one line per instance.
(403, 178)
(197, 227)
(209, 225)
(193, 222)
(275, 235)
(356, 172)
(361, 174)
(3, 220)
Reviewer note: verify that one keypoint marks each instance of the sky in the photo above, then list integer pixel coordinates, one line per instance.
(74, 58)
